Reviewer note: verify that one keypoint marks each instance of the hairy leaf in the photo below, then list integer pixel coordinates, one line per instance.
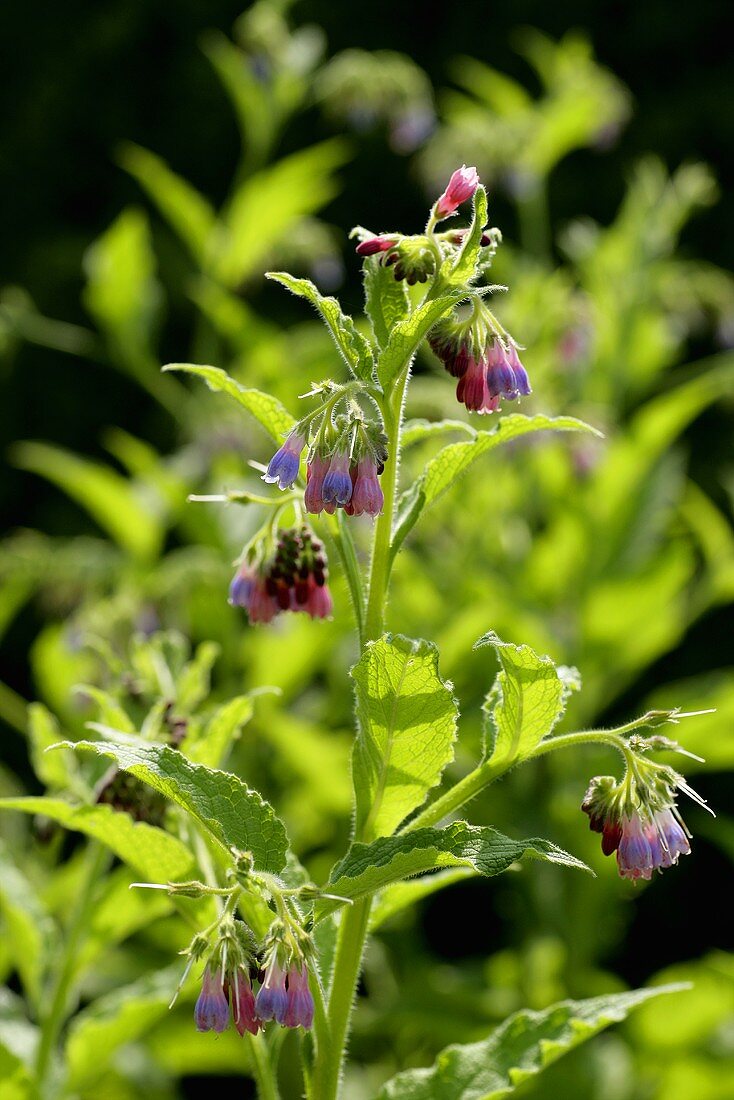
(275, 419)
(386, 299)
(465, 265)
(367, 868)
(153, 853)
(525, 703)
(407, 727)
(231, 812)
(354, 349)
(407, 334)
(517, 1050)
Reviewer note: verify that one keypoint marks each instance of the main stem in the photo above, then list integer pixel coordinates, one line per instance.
(355, 918)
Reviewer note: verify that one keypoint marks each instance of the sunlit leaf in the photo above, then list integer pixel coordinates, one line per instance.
(275, 419)
(407, 726)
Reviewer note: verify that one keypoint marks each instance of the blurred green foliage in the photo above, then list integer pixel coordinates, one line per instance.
(602, 553)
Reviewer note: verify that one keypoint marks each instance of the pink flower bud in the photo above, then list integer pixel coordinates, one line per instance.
(373, 245)
(461, 187)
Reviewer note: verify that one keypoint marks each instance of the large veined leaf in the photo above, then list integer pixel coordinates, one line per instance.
(526, 701)
(517, 1050)
(367, 868)
(352, 345)
(386, 299)
(119, 1017)
(190, 214)
(108, 497)
(454, 460)
(152, 852)
(274, 417)
(407, 726)
(235, 815)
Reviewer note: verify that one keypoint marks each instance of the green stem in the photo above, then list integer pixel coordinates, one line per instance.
(488, 771)
(267, 1088)
(332, 1036)
(54, 1017)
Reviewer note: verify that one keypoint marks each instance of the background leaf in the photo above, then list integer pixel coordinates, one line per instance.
(520, 1048)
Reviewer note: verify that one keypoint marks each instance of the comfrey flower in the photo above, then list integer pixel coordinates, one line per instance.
(211, 1011)
(367, 495)
(461, 186)
(271, 1002)
(487, 365)
(293, 579)
(316, 471)
(638, 818)
(243, 1004)
(299, 1006)
(283, 466)
(336, 490)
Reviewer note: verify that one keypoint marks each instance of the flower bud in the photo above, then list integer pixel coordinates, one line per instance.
(461, 186)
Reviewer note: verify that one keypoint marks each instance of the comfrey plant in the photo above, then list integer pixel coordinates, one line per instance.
(273, 949)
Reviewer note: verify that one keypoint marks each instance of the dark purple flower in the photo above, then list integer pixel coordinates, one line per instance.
(634, 854)
(337, 487)
(501, 380)
(271, 1002)
(522, 382)
(212, 1008)
(283, 466)
(461, 186)
(299, 1010)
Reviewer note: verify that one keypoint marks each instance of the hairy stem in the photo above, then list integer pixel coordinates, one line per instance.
(263, 1071)
(489, 770)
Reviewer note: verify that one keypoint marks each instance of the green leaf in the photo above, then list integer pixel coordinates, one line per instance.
(367, 868)
(517, 1050)
(122, 292)
(465, 265)
(526, 701)
(352, 345)
(194, 682)
(270, 202)
(407, 334)
(275, 419)
(415, 431)
(152, 852)
(212, 746)
(109, 498)
(231, 812)
(386, 299)
(401, 895)
(451, 463)
(30, 931)
(53, 769)
(119, 1017)
(407, 727)
(187, 211)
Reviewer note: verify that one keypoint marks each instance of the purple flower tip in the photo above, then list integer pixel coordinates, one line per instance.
(299, 1011)
(211, 1011)
(283, 466)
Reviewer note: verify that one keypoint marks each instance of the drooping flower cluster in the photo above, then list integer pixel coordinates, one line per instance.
(227, 993)
(638, 818)
(293, 578)
(484, 360)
